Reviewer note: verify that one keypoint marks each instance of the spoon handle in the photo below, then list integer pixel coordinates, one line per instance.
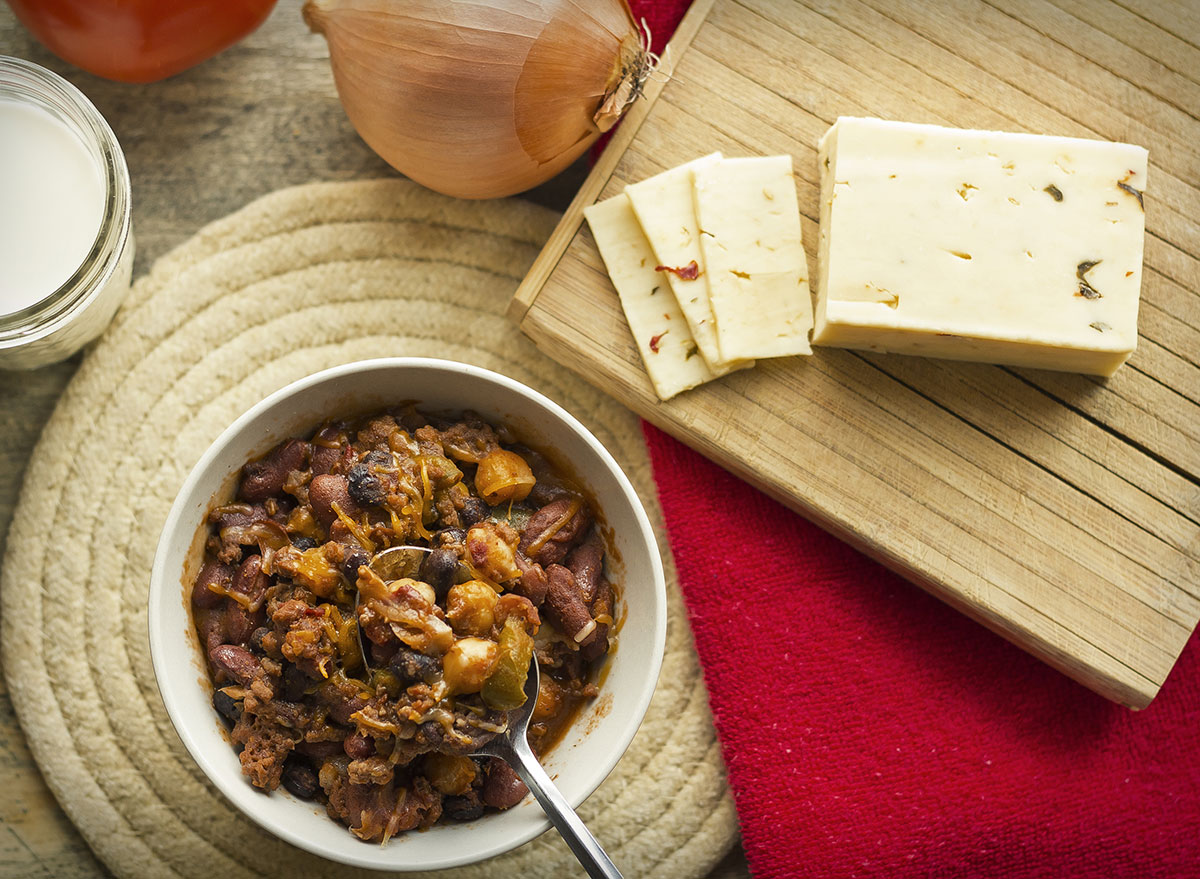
(570, 826)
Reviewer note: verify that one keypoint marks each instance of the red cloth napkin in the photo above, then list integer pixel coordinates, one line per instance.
(870, 730)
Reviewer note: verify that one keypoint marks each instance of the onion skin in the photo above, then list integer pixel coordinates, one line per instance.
(479, 99)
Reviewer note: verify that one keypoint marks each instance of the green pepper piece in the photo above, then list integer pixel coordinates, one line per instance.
(504, 689)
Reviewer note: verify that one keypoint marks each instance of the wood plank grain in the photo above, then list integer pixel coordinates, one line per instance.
(1078, 31)
(1139, 34)
(1060, 510)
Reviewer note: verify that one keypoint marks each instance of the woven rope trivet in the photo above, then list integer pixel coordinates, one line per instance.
(296, 282)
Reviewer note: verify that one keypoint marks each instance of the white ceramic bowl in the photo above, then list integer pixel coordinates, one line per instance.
(599, 736)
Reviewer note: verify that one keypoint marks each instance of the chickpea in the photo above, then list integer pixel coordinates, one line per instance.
(423, 589)
(470, 607)
(503, 476)
(493, 555)
(466, 665)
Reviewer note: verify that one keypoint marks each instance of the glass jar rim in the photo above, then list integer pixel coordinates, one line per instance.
(25, 80)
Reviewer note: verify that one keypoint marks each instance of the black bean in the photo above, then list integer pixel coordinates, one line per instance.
(355, 559)
(474, 511)
(295, 682)
(303, 543)
(256, 639)
(300, 780)
(238, 663)
(437, 569)
(365, 487)
(412, 666)
(227, 706)
(465, 808)
(449, 537)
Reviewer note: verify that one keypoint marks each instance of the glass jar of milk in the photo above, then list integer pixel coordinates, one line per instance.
(66, 243)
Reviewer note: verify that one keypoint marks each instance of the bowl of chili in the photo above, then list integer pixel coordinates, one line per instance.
(298, 544)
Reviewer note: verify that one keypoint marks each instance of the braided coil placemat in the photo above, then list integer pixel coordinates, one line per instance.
(298, 281)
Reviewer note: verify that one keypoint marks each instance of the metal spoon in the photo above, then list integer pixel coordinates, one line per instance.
(512, 746)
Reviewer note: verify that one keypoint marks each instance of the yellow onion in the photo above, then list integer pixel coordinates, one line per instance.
(482, 98)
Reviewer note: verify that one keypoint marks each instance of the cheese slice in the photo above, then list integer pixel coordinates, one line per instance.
(659, 329)
(980, 245)
(750, 236)
(664, 208)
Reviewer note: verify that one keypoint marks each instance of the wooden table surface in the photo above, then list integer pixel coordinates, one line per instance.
(261, 116)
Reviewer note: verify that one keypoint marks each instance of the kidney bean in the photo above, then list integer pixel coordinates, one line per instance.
(586, 562)
(341, 701)
(553, 548)
(597, 646)
(502, 789)
(236, 662)
(299, 779)
(545, 491)
(250, 580)
(263, 478)
(533, 583)
(358, 747)
(437, 569)
(211, 625)
(324, 492)
(320, 750)
(215, 573)
(324, 458)
(564, 605)
(240, 623)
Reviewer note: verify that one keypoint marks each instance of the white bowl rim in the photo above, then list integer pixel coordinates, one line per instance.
(158, 594)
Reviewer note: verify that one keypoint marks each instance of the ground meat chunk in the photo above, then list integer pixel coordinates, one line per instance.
(266, 746)
(470, 440)
(370, 770)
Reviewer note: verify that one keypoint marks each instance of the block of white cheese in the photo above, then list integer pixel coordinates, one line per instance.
(672, 359)
(980, 245)
(750, 236)
(664, 208)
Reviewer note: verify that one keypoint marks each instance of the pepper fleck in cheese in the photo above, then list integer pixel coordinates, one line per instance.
(980, 245)
(664, 209)
(659, 329)
(749, 222)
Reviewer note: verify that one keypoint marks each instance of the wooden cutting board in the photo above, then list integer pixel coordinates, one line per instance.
(1062, 511)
